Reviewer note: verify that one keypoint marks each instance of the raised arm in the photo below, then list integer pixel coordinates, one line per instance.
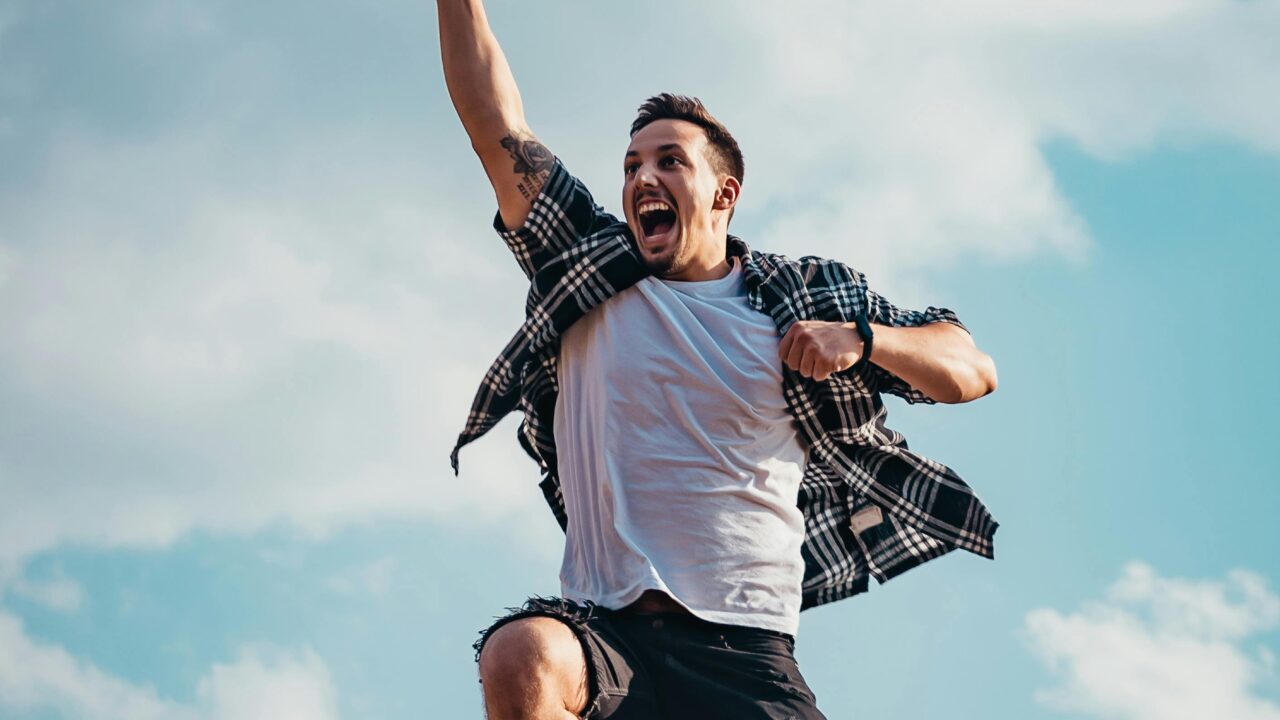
(485, 95)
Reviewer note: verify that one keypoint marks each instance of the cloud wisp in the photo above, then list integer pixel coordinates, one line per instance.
(1157, 648)
(262, 683)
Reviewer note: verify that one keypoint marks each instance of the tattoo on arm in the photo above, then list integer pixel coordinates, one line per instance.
(532, 160)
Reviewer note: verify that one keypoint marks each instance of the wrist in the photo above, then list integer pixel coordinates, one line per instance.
(866, 334)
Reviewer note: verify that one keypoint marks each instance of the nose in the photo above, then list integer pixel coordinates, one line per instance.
(645, 177)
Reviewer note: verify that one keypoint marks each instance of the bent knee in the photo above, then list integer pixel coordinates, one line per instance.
(532, 647)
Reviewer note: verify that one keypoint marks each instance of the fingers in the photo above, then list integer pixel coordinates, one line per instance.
(807, 361)
(787, 341)
(813, 350)
(794, 353)
(822, 371)
(802, 352)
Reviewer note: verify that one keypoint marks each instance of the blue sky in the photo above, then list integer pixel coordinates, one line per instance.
(248, 284)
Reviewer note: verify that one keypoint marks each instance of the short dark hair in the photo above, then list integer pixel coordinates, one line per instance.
(725, 156)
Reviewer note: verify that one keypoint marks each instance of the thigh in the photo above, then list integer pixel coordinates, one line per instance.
(619, 684)
(723, 671)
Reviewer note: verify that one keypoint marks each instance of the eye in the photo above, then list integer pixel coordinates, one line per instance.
(629, 168)
(672, 159)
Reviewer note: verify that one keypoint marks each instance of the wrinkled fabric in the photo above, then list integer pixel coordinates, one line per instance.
(872, 506)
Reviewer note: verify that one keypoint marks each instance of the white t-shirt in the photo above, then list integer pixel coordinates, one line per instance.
(679, 461)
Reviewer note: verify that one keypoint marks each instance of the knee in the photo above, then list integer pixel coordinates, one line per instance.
(532, 649)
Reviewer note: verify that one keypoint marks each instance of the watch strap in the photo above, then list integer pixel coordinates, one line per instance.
(864, 330)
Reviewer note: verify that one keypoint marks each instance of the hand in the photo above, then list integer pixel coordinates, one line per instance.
(816, 349)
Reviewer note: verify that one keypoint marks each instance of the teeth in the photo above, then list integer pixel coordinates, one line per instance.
(653, 206)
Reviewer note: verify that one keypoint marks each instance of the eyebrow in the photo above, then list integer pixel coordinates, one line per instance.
(661, 148)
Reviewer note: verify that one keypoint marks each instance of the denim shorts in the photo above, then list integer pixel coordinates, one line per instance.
(651, 665)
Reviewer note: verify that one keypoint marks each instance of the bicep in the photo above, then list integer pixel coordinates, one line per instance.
(932, 321)
(543, 210)
(518, 165)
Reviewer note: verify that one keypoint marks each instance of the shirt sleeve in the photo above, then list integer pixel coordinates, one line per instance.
(882, 312)
(562, 213)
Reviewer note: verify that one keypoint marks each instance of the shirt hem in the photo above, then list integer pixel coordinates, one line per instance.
(720, 617)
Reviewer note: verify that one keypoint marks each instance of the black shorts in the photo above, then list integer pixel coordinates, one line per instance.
(674, 665)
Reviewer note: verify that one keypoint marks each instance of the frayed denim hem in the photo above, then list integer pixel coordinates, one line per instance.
(573, 615)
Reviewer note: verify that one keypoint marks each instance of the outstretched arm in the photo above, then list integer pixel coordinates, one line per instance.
(939, 359)
(485, 95)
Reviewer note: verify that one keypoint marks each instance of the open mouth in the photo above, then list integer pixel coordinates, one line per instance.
(657, 219)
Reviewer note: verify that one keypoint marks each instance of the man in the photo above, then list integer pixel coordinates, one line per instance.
(707, 418)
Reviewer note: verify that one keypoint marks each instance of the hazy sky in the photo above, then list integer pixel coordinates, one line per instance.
(248, 285)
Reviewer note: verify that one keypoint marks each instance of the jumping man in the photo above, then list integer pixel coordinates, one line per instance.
(707, 418)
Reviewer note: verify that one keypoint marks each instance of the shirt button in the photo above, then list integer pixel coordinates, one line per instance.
(657, 624)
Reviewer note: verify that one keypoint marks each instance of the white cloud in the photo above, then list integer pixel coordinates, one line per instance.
(262, 683)
(1161, 649)
(39, 676)
(904, 136)
(57, 591)
(373, 578)
(235, 313)
(230, 363)
(265, 684)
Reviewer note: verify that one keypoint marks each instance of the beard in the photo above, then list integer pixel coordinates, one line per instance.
(671, 260)
(661, 265)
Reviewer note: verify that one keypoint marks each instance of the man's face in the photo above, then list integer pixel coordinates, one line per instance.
(668, 192)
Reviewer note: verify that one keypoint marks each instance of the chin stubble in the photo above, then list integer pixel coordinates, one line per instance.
(660, 266)
(665, 263)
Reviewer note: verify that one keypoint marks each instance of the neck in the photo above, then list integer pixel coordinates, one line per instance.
(710, 263)
(701, 273)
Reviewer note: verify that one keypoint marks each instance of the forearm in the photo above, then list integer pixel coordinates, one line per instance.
(938, 359)
(480, 82)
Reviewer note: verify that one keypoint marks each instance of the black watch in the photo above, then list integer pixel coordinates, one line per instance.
(864, 330)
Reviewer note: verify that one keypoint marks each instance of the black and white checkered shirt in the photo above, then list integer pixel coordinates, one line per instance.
(871, 506)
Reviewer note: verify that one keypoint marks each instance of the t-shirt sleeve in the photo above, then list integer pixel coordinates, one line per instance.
(562, 213)
(882, 312)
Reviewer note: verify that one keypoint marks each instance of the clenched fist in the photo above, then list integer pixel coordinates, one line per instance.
(816, 349)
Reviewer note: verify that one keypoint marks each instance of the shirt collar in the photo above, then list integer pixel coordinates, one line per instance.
(752, 274)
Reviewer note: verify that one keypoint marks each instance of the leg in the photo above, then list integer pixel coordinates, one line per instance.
(533, 668)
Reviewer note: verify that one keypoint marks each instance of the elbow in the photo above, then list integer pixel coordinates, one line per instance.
(986, 376)
(973, 379)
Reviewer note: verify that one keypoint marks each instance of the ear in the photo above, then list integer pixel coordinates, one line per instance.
(727, 195)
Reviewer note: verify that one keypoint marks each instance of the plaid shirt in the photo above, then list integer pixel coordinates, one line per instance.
(871, 506)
